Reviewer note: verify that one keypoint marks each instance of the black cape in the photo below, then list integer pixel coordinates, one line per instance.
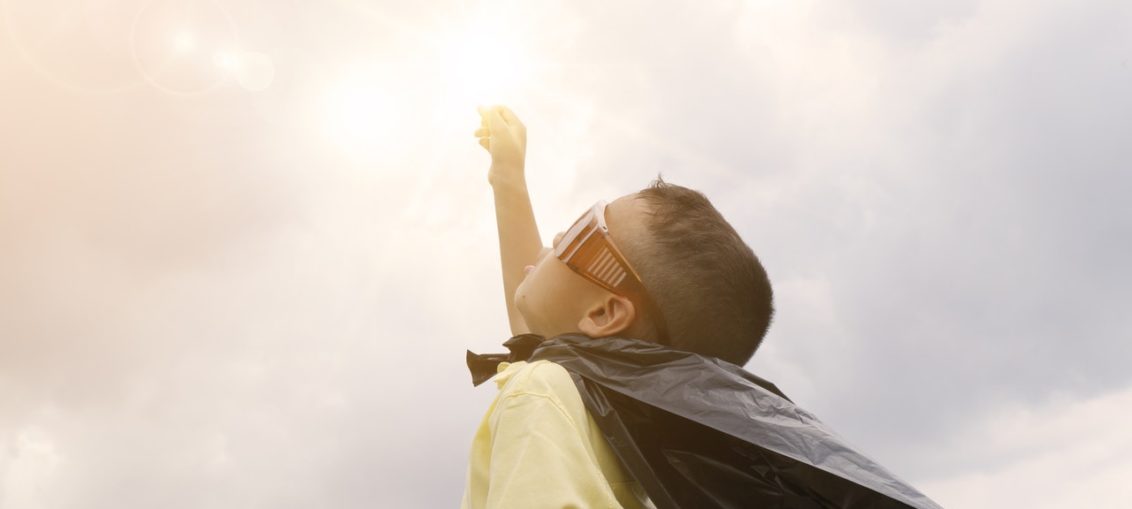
(699, 432)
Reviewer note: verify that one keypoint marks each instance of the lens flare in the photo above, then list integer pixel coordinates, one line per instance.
(78, 46)
(184, 42)
(184, 47)
(255, 72)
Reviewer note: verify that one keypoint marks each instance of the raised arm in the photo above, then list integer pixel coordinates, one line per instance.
(505, 137)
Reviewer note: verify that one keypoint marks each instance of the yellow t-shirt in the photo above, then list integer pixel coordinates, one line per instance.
(538, 447)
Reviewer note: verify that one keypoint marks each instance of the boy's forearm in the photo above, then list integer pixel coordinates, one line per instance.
(519, 241)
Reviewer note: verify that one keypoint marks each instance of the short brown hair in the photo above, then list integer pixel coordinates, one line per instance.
(709, 285)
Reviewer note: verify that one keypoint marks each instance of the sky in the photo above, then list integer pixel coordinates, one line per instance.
(244, 245)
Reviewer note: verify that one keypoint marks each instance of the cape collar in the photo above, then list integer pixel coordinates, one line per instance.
(523, 347)
(485, 366)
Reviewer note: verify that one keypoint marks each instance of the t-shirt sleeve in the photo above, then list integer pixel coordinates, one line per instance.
(539, 458)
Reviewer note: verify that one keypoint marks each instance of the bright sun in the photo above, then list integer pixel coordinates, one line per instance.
(484, 63)
(477, 60)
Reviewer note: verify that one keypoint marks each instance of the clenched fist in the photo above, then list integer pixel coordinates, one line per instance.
(505, 138)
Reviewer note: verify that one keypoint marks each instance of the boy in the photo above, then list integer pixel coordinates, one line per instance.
(624, 385)
(676, 272)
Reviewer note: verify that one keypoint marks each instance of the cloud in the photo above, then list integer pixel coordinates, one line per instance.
(203, 303)
(1020, 453)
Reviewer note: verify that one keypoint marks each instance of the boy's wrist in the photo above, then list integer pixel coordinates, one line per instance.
(505, 179)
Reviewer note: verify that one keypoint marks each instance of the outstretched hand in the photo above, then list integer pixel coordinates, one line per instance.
(505, 138)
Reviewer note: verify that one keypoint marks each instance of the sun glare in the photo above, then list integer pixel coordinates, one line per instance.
(476, 60)
(484, 63)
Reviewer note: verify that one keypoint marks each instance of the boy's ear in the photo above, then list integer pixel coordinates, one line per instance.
(612, 316)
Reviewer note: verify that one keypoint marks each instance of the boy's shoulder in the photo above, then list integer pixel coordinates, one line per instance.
(535, 388)
(529, 380)
(540, 377)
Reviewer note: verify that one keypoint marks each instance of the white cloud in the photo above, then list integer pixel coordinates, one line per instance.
(204, 303)
(1065, 453)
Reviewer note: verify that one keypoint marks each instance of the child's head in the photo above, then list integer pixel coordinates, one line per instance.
(709, 287)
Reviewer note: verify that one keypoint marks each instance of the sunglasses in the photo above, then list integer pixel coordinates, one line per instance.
(588, 250)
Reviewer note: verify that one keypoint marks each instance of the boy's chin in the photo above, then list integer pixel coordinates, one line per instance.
(542, 330)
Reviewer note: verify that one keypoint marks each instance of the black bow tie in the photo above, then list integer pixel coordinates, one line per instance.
(485, 366)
